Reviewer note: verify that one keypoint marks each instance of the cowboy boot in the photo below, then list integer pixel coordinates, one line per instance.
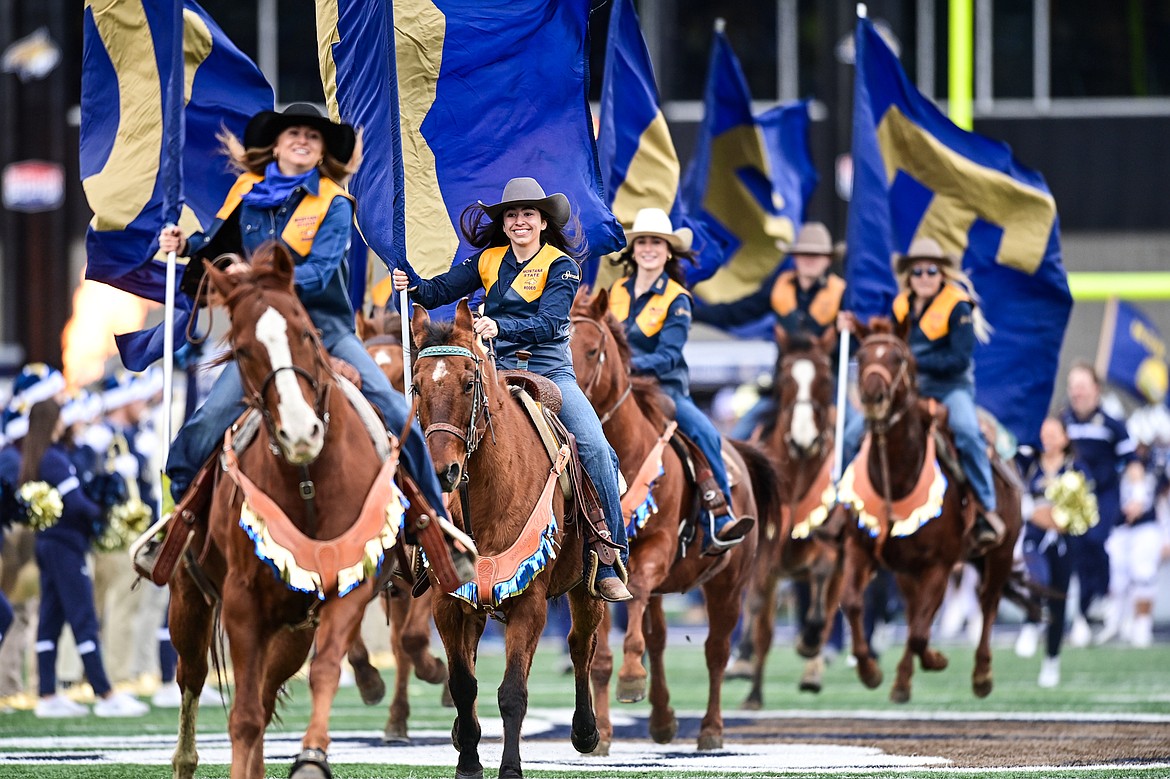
(989, 529)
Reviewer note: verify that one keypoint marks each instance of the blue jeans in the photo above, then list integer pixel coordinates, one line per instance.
(203, 432)
(696, 426)
(854, 432)
(748, 423)
(598, 457)
(964, 424)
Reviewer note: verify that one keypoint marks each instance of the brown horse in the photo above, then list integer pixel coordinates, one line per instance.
(800, 442)
(310, 434)
(601, 358)
(478, 431)
(410, 618)
(916, 521)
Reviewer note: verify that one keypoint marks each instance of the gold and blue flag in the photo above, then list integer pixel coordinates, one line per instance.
(457, 97)
(1136, 353)
(148, 139)
(747, 191)
(639, 163)
(917, 174)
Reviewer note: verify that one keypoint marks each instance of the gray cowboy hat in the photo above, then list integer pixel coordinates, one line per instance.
(655, 222)
(813, 239)
(923, 250)
(526, 191)
(264, 127)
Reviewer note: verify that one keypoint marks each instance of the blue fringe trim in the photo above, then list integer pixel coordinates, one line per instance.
(648, 508)
(525, 574)
(381, 557)
(257, 541)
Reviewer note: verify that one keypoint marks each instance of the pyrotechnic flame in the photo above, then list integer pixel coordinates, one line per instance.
(99, 311)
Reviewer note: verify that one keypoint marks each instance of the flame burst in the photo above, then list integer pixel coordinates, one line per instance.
(99, 311)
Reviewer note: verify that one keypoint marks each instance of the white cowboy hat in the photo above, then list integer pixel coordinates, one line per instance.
(813, 239)
(526, 191)
(655, 222)
(925, 249)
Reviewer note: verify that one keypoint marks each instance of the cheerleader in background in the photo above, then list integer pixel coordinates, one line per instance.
(66, 588)
(1059, 502)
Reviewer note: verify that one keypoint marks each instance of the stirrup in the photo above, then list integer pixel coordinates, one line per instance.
(714, 546)
(593, 564)
(144, 551)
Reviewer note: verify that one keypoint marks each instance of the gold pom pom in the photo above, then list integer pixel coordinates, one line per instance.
(42, 503)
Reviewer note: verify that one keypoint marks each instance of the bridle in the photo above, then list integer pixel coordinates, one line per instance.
(819, 410)
(473, 435)
(879, 416)
(596, 373)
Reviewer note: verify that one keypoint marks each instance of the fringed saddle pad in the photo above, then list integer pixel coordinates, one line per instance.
(638, 503)
(814, 506)
(922, 504)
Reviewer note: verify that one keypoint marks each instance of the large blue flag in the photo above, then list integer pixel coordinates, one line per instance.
(1135, 352)
(465, 95)
(731, 185)
(916, 174)
(638, 160)
(133, 143)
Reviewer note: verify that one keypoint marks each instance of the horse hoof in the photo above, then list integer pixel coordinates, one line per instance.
(870, 674)
(752, 704)
(665, 734)
(602, 748)
(438, 676)
(982, 687)
(445, 700)
(473, 775)
(810, 685)
(740, 669)
(900, 695)
(934, 661)
(310, 764)
(710, 742)
(807, 651)
(396, 735)
(370, 684)
(587, 742)
(631, 690)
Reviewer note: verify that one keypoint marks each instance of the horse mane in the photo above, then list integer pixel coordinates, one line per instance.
(654, 403)
(435, 333)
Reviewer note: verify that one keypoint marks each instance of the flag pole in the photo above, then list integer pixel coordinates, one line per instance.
(404, 310)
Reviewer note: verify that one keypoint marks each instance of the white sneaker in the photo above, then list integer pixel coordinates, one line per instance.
(1029, 640)
(58, 707)
(210, 695)
(169, 696)
(120, 704)
(1080, 635)
(1049, 672)
(1142, 632)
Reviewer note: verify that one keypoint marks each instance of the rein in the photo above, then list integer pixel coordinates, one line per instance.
(596, 374)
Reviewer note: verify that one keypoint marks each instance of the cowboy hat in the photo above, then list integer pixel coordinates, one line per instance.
(923, 249)
(813, 239)
(655, 222)
(526, 191)
(264, 127)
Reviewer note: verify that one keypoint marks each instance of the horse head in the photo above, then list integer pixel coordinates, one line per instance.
(381, 334)
(886, 375)
(804, 389)
(452, 373)
(279, 354)
(600, 350)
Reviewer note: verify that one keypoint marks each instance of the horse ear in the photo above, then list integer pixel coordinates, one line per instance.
(463, 316)
(829, 339)
(221, 281)
(366, 328)
(781, 338)
(600, 304)
(418, 323)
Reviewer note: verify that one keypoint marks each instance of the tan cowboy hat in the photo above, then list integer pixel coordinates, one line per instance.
(264, 127)
(655, 222)
(813, 239)
(526, 191)
(923, 249)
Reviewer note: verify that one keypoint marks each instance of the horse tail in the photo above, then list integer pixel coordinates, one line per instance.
(765, 480)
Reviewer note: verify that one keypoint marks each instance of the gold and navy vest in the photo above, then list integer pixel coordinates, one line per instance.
(301, 228)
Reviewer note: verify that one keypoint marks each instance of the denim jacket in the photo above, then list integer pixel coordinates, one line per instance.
(657, 325)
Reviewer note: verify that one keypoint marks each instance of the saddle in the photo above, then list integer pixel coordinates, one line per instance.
(706, 489)
(543, 390)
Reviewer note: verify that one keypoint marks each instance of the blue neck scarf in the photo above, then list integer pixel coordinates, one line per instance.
(275, 187)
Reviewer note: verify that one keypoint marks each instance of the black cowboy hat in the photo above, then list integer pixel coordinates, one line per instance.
(264, 127)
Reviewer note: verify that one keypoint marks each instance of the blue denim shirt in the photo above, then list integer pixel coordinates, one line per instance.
(540, 326)
(322, 275)
(657, 323)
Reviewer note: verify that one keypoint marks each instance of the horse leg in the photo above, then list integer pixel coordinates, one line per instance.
(341, 620)
(723, 595)
(632, 676)
(922, 593)
(997, 567)
(369, 681)
(286, 653)
(857, 573)
(416, 641)
(600, 672)
(663, 723)
(525, 624)
(589, 617)
(460, 633)
(395, 730)
(247, 636)
(191, 628)
(762, 634)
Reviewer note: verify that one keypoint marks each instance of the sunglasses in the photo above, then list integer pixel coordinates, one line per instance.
(924, 270)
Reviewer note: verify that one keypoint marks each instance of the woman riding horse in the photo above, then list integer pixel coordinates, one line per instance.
(653, 304)
(937, 315)
(528, 265)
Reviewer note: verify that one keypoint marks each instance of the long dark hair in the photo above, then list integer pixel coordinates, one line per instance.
(42, 424)
(481, 231)
(674, 268)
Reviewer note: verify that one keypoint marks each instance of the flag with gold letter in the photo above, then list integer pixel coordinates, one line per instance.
(916, 174)
(1134, 353)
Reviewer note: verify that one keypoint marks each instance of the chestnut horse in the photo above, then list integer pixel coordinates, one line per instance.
(601, 359)
(310, 434)
(800, 443)
(918, 520)
(477, 431)
(410, 617)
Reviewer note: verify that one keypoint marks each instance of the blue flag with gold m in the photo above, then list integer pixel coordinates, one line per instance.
(136, 145)
(747, 182)
(639, 163)
(461, 96)
(1134, 353)
(917, 174)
